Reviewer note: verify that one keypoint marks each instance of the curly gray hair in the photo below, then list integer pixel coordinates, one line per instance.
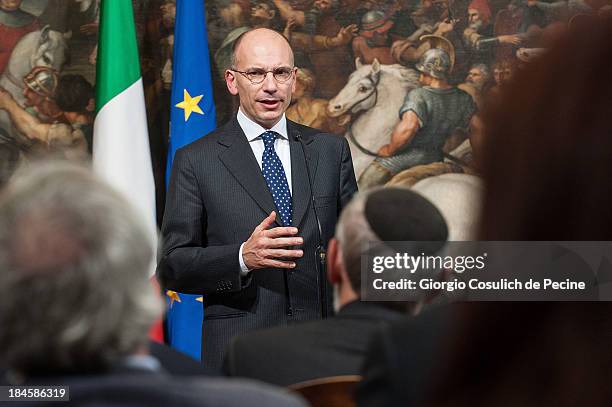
(74, 292)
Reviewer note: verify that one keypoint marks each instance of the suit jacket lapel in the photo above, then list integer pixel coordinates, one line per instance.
(301, 194)
(241, 162)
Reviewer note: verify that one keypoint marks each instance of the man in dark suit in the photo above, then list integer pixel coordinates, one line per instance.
(76, 302)
(337, 346)
(403, 359)
(240, 223)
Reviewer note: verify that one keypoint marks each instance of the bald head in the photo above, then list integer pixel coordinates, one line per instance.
(262, 75)
(259, 36)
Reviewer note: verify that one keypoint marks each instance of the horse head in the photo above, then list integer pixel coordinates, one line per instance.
(377, 92)
(360, 92)
(50, 50)
(45, 47)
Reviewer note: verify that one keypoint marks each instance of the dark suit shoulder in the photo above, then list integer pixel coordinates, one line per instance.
(330, 347)
(330, 139)
(359, 317)
(309, 346)
(177, 363)
(406, 351)
(209, 142)
(211, 138)
(153, 390)
(305, 131)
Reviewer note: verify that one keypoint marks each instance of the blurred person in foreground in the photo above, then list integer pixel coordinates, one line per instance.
(337, 346)
(547, 165)
(76, 303)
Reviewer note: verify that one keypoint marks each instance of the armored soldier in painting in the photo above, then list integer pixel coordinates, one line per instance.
(428, 116)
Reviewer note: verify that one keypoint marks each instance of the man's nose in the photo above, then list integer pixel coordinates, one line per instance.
(269, 83)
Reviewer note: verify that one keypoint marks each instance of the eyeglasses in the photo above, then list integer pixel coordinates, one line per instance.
(257, 76)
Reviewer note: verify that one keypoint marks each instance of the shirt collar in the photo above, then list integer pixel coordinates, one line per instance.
(253, 130)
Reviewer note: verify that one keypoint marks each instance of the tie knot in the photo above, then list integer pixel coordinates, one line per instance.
(269, 137)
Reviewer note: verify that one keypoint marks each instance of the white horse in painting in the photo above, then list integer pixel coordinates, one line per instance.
(378, 92)
(44, 47)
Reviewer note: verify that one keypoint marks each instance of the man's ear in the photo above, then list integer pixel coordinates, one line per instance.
(231, 81)
(294, 84)
(334, 262)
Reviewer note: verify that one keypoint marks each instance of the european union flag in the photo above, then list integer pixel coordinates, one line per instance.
(192, 115)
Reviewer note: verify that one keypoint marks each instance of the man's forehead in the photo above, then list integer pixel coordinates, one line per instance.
(254, 59)
(270, 67)
(264, 50)
(264, 37)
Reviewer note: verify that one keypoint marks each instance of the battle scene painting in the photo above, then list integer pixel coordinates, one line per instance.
(403, 80)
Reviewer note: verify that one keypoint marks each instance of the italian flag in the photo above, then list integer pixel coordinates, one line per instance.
(121, 152)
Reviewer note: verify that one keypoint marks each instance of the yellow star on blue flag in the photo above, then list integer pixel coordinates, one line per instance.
(190, 104)
(173, 296)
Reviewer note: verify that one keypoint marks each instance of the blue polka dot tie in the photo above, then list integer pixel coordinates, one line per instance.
(276, 179)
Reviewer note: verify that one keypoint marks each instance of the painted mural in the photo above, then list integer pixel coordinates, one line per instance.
(403, 80)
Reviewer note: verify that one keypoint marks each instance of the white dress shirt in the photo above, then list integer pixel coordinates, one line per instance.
(253, 132)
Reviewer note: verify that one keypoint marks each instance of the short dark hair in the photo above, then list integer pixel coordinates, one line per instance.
(73, 93)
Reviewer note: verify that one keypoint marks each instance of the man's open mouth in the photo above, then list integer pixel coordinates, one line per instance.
(270, 102)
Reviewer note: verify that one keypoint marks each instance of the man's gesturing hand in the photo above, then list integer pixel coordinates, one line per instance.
(268, 247)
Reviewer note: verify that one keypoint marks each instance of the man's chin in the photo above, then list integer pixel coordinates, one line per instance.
(272, 114)
(269, 119)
